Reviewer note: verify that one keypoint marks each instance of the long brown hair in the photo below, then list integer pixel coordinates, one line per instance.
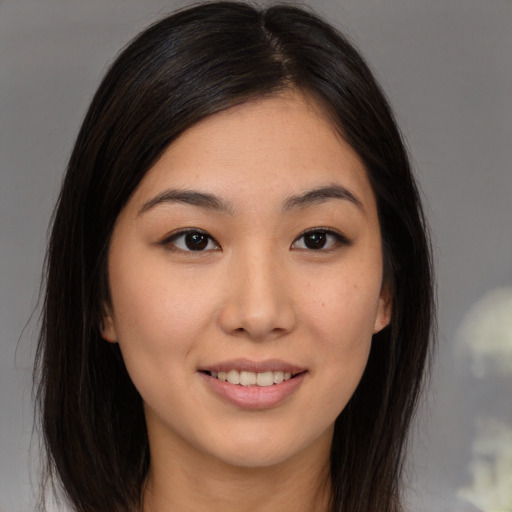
(188, 66)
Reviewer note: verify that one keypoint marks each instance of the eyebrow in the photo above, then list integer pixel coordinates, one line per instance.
(191, 197)
(321, 195)
(213, 202)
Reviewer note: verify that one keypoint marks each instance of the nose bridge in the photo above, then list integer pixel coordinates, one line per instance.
(259, 303)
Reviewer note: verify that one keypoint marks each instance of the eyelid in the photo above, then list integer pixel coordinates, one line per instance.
(341, 239)
(168, 240)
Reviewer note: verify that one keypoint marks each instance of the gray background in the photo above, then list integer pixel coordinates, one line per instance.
(447, 67)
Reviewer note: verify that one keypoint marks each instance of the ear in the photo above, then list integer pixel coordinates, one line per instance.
(384, 310)
(107, 327)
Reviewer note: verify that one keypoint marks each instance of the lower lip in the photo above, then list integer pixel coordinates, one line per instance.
(254, 397)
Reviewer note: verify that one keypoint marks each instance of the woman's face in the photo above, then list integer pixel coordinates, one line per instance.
(245, 276)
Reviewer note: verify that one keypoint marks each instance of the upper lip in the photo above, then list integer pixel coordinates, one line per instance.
(268, 365)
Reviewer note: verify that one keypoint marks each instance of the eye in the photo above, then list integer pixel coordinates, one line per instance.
(319, 239)
(191, 240)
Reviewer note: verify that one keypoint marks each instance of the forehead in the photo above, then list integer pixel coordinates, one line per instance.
(260, 151)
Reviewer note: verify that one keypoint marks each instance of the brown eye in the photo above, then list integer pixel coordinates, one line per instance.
(196, 241)
(315, 240)
(191, 240)
(320, 239)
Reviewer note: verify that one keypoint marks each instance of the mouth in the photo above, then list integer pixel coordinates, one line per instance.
(254, 385)
(248, 378)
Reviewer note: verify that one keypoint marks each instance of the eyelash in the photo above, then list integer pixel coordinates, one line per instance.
(170, 241)
(337, 240)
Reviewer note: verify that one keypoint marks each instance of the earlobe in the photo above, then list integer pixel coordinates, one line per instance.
(107, 329)
(384, 310)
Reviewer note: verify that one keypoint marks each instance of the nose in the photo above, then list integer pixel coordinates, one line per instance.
(259, 302)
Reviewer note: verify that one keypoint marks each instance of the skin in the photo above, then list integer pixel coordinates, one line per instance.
(256, 292)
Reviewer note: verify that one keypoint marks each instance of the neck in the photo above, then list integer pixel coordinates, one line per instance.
(197, 484)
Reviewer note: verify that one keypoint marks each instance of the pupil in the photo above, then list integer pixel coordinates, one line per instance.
(196, 241)
(315, 240)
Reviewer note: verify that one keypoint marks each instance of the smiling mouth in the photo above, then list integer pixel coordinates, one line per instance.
(246, 378)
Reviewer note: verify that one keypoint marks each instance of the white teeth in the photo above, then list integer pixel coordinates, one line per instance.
(245, 378)
(265, 379)
(233, 377)
(278, 377)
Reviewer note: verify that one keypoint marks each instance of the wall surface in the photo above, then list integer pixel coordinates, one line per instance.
(446, 65)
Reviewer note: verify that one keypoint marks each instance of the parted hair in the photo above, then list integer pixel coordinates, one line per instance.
(187, 66)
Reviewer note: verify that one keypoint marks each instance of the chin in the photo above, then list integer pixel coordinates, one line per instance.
(267, 450)
(255, 457)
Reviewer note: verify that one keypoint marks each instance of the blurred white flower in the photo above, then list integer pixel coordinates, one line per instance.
(485, 336)
(486, 333)
(491, 467)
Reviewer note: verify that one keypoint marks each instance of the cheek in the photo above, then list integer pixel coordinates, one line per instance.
(340, 314)
(158, 326)
(342, 308)
(158, 314)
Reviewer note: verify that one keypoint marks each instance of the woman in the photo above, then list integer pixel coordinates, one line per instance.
(239, 290)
